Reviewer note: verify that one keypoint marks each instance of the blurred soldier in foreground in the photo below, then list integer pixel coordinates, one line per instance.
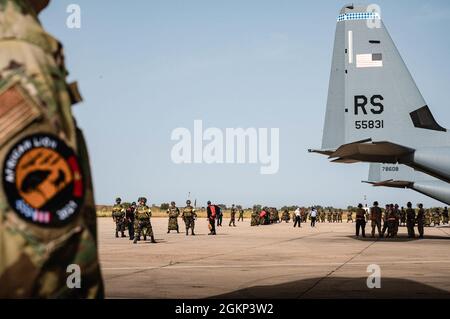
(47, 209)
(360, 221)
(375, 217)
(118, 216)
(410, 220)
(173, 213)
(188, 216)
(420, 219)
(232, 216)
(144, 225)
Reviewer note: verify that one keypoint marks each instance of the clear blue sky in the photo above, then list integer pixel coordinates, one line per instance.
(147, 67)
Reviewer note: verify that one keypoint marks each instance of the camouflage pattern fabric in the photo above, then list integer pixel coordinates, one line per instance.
(143, 225)
(118, 215)
(35, 100)
(255, 218)
(173, 212)
(349, 217)
(188, 216)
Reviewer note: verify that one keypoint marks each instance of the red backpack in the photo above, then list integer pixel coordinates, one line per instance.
(213, 210)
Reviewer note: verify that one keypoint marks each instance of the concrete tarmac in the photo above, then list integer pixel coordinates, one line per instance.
(273, 261)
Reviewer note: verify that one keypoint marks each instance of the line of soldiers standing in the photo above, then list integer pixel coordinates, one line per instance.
(137, 218)
(393, 217)
(331, 216)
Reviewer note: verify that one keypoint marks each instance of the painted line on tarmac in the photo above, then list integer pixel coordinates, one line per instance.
(335, 270)
(416, 262)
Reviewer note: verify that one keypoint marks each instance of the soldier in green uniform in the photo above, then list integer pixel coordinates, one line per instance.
(360, 221)
(255, 217)
(303, 215)
(335, 216)
(232, 216)
(391, 221)
(397, 219)
(189, 216)
(47, 209)
(285, 216)
(402, 216)
(437, 217)
(349, 216)
(118, 215)
(445, 215)
(410, 220)
(385, 220)
(420, 219)
(339, 216)
(427, 218)
(144, 226)
(375, 217)
(241, 214)
(277, 215)
(129, 216)
(173, 213)
(329, 216)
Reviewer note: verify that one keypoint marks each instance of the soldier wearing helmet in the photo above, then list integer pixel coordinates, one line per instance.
(118, 216)
(173, 213)
(144, 225)
(189, 216)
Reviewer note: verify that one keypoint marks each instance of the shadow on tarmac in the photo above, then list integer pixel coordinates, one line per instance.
(397, 239)
(339, 288)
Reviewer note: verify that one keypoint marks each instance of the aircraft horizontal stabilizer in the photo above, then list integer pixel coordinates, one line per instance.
(323, 152)
(368, 151)
(392, 183)
(373, 152)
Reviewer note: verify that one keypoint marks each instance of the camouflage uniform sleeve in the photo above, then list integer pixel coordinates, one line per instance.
(44, 164)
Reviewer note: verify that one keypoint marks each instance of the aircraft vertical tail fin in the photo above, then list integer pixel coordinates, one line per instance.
(371, 92)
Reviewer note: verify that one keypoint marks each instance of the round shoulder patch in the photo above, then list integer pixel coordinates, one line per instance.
(43, 181)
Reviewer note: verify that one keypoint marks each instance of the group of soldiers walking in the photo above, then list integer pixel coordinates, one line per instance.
(392, 217)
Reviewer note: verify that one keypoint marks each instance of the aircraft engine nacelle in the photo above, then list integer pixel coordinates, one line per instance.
(434, 161)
